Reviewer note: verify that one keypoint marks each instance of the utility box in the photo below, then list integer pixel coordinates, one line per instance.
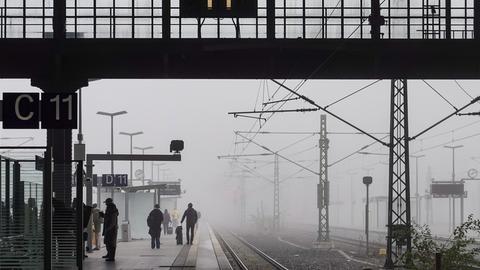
(126, 236)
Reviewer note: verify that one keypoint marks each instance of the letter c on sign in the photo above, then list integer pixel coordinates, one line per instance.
(17, 107)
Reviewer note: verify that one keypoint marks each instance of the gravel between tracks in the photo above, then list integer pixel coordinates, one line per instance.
(298, 258)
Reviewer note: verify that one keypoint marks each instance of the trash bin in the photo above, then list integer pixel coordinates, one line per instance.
(126, 232)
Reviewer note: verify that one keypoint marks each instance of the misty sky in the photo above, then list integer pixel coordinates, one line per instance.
(196, 112)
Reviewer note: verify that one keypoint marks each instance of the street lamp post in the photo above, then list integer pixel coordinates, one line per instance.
(452, 205)
(143, 162)
(111, 115)
(367, 180)
(131, 171)
(417, 196)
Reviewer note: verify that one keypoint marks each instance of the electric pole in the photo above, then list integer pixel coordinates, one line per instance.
(323, 185)
(452, 199)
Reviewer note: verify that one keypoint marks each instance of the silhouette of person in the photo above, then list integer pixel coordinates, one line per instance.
(154, 222)
(191, 215)
(110, 229)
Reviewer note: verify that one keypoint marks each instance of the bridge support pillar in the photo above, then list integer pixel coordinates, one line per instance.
(398, 227)
(60, 140)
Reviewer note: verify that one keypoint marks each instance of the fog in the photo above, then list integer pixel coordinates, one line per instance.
(196, 111)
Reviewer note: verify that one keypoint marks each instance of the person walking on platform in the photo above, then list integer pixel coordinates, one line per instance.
(97, 223)
(166, 221)
(154, 222)
(110, 229)
(191, 215)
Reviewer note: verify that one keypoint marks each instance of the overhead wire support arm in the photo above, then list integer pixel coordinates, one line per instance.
(276, 153)
(330, 113)
(445, 118)
(281, 100)
(235, 114)
(278, 132)
(252, 117)
(470, 113)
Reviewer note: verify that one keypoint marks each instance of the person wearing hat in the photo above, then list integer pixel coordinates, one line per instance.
(154, 222)
(191, 215)
(110, 229)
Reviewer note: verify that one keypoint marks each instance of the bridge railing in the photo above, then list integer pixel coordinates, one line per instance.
(309, 19)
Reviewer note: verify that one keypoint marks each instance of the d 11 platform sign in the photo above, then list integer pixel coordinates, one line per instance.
(26, 110)
(111, 180)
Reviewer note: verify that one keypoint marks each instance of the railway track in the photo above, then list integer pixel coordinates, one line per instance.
(245, 255)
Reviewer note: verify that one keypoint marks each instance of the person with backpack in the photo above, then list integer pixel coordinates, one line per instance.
(154, 222)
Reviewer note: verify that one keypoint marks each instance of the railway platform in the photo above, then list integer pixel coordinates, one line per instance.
(205, 253)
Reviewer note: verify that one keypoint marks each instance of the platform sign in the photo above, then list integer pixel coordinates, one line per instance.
(171, 189)
(59, 110)
(218, 8)
(445, 189)
(111, 180)
(26, 111)
(21, 110)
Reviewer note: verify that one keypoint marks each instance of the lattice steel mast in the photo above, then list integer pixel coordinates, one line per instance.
(323, 186)
(276, 194)
(398, 234)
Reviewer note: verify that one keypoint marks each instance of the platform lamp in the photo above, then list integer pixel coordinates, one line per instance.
(143, 162)
(367, 180)
(111, 115)
(127, 199)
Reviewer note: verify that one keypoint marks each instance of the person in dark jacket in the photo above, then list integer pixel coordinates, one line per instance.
(154, 222)
(166, 221)
(191, 215)
(110, 229)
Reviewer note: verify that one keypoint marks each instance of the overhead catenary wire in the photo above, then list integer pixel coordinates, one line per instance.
(353, 93)
(332, 114)
(354, 153)
(279, 155)
(463, 89)
(296, 142)
(438, 93)
(302, 82)
(446, 143)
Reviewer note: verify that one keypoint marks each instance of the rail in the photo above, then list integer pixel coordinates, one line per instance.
(240, 263)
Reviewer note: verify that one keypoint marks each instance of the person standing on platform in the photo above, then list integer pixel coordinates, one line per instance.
(166, 221)
(191, 215)
(154, 222)
(110, 229)
(175, 216)
(97, 223)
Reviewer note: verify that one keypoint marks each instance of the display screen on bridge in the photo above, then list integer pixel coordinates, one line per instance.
(218, 8)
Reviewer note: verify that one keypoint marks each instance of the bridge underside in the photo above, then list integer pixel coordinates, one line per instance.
(240, 59)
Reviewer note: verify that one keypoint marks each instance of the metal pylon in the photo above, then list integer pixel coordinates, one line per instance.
(398, 234)
(323, 186)
(276, 195)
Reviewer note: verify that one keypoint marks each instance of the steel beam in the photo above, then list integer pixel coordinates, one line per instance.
(398, 227)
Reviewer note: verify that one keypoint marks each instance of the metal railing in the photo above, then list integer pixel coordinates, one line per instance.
(306, 19)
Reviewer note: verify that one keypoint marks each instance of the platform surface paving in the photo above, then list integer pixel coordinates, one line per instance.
(137, 254)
